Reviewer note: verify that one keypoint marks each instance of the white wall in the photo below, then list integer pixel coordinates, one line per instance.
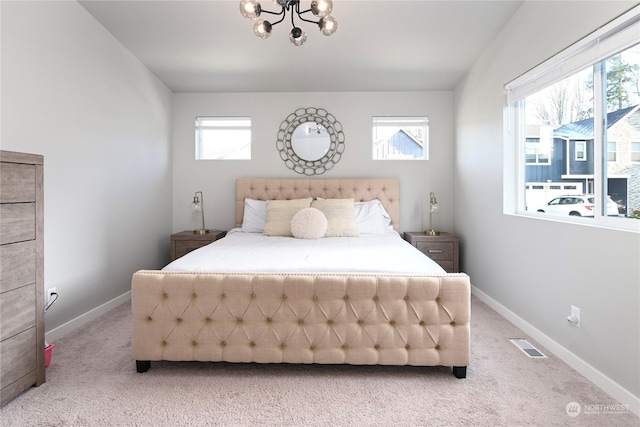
(216, 178)
(533, 268)
(71, 92)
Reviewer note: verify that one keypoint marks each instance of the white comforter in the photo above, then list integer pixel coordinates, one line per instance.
(254, 252)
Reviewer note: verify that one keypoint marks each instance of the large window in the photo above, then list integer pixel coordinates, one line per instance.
(573, 124)
(219, 138)
(400, 138)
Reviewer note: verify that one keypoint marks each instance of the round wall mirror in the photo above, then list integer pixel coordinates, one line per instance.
(310, 141)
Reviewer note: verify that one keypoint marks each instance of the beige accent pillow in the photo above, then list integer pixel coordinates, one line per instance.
(341, 219)
(280, 213)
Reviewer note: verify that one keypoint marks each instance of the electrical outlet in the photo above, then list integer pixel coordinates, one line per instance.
(574, 317)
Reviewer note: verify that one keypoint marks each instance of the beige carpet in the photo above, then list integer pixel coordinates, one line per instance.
(92, 382)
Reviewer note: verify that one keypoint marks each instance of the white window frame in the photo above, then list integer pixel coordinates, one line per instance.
(608, 40)
(225, 125)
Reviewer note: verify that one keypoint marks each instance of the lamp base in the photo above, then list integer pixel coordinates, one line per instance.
(432, 233)
(201, 231)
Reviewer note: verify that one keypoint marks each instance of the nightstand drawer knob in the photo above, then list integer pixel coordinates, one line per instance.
(435, 251)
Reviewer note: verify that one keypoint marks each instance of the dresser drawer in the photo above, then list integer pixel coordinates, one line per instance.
(17, 222)
(18, 356)
(17, 265)
(18, 310)
(17, 183)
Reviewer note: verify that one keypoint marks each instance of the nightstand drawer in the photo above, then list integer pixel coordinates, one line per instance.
(186, 241)
(443, 248)
(436, 251)
(183, 247)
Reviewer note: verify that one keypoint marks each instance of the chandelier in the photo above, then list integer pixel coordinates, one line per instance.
(321, 9)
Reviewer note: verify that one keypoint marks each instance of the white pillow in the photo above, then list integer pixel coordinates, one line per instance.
(309, 223)
(372, 217)
(255, 216)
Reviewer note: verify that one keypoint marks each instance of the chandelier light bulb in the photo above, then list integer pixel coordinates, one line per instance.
(298, 36)
(328, 25)
(250, 9)
(262, 28)
(321, 8)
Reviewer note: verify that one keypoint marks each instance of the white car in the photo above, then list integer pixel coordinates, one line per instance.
(578, 205)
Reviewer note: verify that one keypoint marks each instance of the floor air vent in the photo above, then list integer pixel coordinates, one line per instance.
(527, 348)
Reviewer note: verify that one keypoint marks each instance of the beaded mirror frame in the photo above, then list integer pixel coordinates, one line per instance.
(292, 159)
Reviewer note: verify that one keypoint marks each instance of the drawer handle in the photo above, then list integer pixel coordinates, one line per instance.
(435, 251)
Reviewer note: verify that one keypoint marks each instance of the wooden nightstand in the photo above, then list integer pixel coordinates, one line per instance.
(186, 241)
(443, 248)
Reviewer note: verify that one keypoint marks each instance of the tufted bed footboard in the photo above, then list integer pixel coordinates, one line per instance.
(324, 318)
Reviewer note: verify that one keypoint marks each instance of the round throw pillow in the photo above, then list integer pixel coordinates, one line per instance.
(308, 223)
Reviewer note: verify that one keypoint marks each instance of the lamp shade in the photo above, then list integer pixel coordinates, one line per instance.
(197, 207)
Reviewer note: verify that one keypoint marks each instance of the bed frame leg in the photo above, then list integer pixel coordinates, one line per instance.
(460, 371)
(143, 365)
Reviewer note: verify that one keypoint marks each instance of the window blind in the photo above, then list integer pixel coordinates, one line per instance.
(613, 37)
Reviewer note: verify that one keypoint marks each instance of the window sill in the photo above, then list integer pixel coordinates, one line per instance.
(610, 223)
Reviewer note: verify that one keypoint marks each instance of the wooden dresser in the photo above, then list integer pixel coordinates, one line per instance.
(21, 273)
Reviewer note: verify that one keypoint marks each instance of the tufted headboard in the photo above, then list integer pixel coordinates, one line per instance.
(387, 190)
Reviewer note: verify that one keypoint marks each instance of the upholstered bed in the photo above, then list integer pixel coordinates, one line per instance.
(405, 317)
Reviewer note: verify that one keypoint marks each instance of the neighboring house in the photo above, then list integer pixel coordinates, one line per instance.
(561, 161)
(400, 145)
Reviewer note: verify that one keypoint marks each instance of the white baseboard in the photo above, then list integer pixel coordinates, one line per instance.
(80, 321)
(592, 374)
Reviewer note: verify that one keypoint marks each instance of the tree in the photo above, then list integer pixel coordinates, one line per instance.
(563, 102)
(571, 99)
(622, 81)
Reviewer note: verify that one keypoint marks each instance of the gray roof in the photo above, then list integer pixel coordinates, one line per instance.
(583, 129)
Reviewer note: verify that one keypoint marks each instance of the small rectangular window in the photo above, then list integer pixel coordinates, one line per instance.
(611, 151)
(581, 150)
(400, 138)
(222, 138)
(635, 151)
